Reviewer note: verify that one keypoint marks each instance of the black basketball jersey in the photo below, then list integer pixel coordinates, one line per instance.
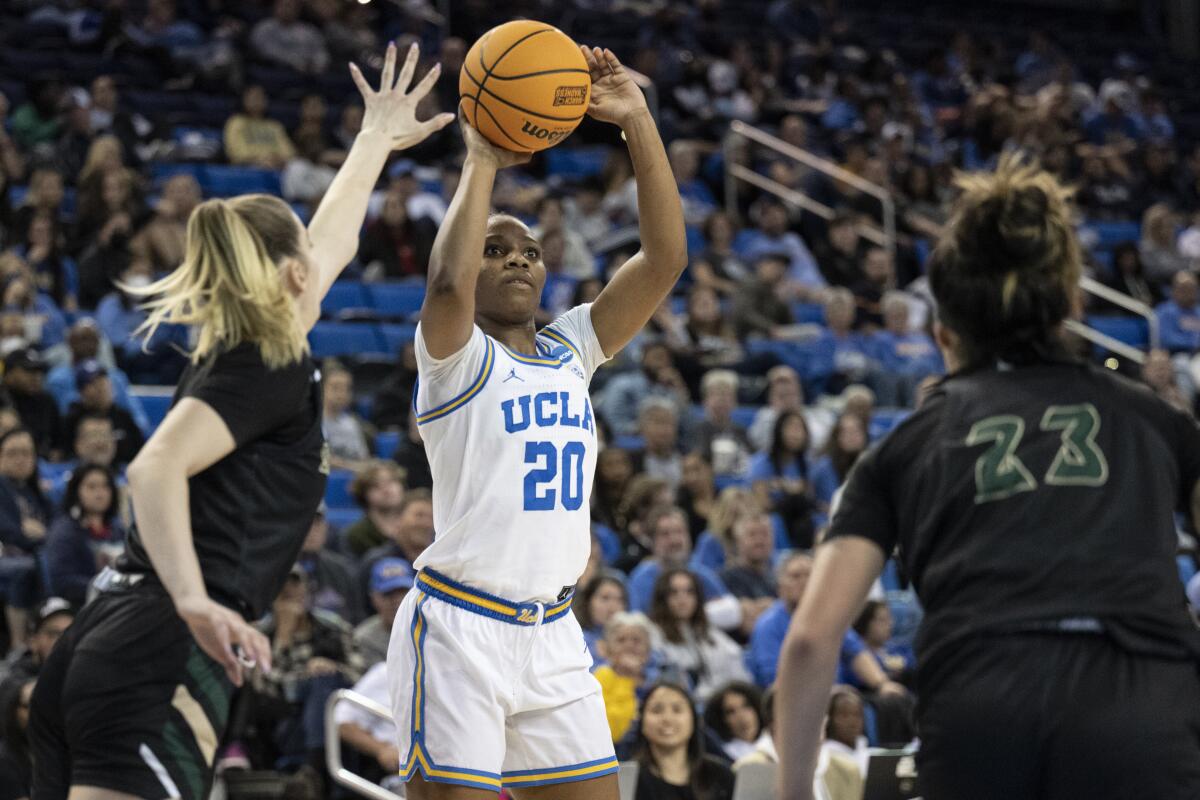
(1031, 494)
(251, 510)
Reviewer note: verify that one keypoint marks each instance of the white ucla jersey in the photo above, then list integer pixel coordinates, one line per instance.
(511, 440)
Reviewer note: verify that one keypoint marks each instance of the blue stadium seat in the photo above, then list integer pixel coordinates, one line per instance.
(744, 415)
(342, 518)
(890, 578)
(396, 336)
(155, 406)
(808, 313)
(337, 490)
(1133, 331)
(695, 241)
(386, 444)
(574, 163)
(723, 482)
(1111, 234)
(344, 296)
(223, 180)
(628, 441)
(395, 299)
(331, 339)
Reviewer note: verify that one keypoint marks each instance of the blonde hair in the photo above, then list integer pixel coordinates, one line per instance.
(229, 285)
(102, 148)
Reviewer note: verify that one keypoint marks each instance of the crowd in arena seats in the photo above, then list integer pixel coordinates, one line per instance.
(792, 342)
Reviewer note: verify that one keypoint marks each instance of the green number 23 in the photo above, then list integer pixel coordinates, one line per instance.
(1000, 473)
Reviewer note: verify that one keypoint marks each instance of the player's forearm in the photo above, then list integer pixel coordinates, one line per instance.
(335, 227)
(160, 504)
(806, 672)
(458, 248)
(660, 211)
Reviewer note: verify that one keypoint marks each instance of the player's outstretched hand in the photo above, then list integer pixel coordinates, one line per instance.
(615, 97)
(392, 110)
(226, 637)
(480, 149)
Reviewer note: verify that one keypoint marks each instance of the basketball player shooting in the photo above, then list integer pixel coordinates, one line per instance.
(488, 670)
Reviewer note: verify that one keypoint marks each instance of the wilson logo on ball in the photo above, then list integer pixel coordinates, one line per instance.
(570, 95)
(543, 133)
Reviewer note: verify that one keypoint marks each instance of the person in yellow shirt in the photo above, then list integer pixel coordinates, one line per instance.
(254, 140)
(626, 646)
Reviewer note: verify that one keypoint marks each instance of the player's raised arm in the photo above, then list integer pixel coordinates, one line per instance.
(640, 285)
(448, 312)
(389, 123)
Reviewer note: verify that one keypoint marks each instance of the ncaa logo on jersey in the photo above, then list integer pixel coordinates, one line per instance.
(560, 353)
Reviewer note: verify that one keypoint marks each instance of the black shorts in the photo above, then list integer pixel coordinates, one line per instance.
(1059, 717)
(128, 702)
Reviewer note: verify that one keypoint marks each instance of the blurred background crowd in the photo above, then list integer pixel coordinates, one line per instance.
(814, 145)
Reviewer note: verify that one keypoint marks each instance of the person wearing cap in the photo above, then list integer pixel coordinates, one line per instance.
(96, 399)
(391, 578)
(86, 343)
(24, 373)
(52, 617)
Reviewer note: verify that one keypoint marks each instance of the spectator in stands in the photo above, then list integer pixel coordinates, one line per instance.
(411, 456)
(682, 636)
(348, 31)
(670, 751)
(369, 734)
(845, 725)
(717, 435)
(667, 528)
(620, 399)
(96, 399)
(627, 668)
(349, 125)
(54, 615)
(577, 261)
(162, 240)
(710, 338)
(34, 125)
(697, 492)
(391, 579)
(584, 213)
(378, 489)
(84, 344)
(308, 175)
(879, 277)
(763, 655)
(43, 249)
(95, 443)
(759, 309)
(734, 714)
(1160, 253)
(1129, 277)
(779, 477)
(105, 234)
(658, 425)
(772, 236)
(749, 573)
(420, 204)
(156, 360)
(846, 444)
(614, 470)
(108, 118)
(393, 400)
(874, 627)
(12, 163)
(905, 356)
(343, 429)
(45, 197)
(715, 545)
(698, 200)
(841, 255)
(44, 325)
(16, 762)
(1106, 188)
(250, 137)
(332, 577)
(600, 599)
(411, 533)
(75, 137)
(24, 374)
(1179, 317)
(87, 535)
(396, 245)
(1159, 374)
(283, 38)
(719, 266)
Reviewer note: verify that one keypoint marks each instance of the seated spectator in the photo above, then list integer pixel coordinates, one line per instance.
(749, 573)
(670, 751)
(858, 667)
(24, 373)
(1130, 277)
(283, 38)
(43, 249)
(710, 338)
(697, 493)
(841, 255)
(343, 429)
(763, 656)
(905, 356)
(879, 277)
(175, 45)
(332, 577)
(658, 425)
(53, 617)
(109, 118)
(784, 393)
(874, 627)
(96, 399)
(642, 496)
(393, 401)
(155, 360)
(717, 435)
(410, 534)
(84, 343)
(698, 200)
(161, 242)
(395, 245)
(105, 232)
(734, 714)
(1106, 188)
(583, 212)
(411, 456)
(626, 668)
(24, 515)
(43, 324)
(391, 579)
(87, 535)
(16, 760)
(715, 544)
(624, 394)
(667, 529)
(846, 444)
(719, 267)
(773, 237)
(44, 198)
(95, 443)
(420, 204)
(577, 261)
(759, 308)
(845, 724)
(307, 177)
(1179, 317)
(378, 489)
(1158, 372)
(251, 138)
(1160, 253)
(600, 599)
(779, 477)
(614, 470)
(371, 735)
(35, 123)
(682, 636)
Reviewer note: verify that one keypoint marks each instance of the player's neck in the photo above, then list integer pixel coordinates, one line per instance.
(520, 338)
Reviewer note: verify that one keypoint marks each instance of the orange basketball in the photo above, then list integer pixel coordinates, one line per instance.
(524, 85)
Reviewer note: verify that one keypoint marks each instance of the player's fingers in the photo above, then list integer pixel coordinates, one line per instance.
(610, 58)
(257, 647)
(364, 88)
(426, 84)
(432, 126)
(389, 68)
(406, 71)
(226, 657)
(588, 57)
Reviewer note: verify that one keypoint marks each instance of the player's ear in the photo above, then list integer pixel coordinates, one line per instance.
(295, 275)
(948, 342)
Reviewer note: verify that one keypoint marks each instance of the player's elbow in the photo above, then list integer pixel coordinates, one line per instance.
(805, 646)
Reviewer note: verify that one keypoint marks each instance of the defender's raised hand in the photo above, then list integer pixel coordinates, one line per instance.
(392, 111)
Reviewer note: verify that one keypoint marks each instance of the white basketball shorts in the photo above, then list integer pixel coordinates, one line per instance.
(487, 692)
